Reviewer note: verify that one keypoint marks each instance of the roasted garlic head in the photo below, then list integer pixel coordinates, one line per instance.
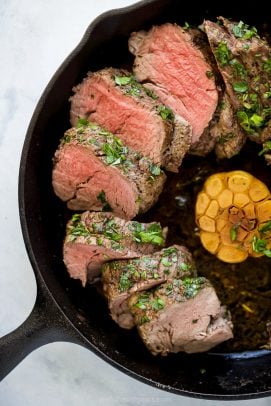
(233, 212)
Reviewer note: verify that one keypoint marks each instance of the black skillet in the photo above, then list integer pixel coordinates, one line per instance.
(63, 310)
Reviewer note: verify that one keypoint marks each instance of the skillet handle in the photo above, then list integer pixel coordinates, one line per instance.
(44, 325)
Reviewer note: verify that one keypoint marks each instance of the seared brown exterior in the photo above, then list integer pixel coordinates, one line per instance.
(180, 315)
(93, 238)
(227, 133)
(93, 170)
(244, 60)
(123, 278)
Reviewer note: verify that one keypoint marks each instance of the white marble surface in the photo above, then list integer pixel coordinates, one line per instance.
(35, 37)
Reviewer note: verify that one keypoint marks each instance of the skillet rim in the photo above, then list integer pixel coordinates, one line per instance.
(41, 282)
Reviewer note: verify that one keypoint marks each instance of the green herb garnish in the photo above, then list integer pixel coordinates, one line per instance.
(111, 231)
(260, 246)
(77, 228)
(186, 26)
(165, 112)
(234, 232)
(106, 206)
(123, 80)
(142, 301)
(242, 30)
(144, 319)
(155, 170)
(165, 261)
(267, 65)
(222, 139)
(223, 54)
(240, 87)
(238, 68)
(192, 286)
(266, 148)
(151, 235)
(125, 283)
(209, 74)
(157, 304)
(150, 93)
(265, 228)
(82, 122)
(115, 151)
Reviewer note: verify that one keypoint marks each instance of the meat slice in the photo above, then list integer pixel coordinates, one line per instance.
(114, 99)
(181, 315)
(93, 238)
(123, 278)
(170, 64)
(94, 170)
(227, 133)
(244, 60)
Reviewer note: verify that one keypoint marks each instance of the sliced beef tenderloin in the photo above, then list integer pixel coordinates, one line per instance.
(180, 315)
(123, 278)
(114, 99)
(93, 238)
(227, 133)
(93, 170)
(244, 60)
(171, 65)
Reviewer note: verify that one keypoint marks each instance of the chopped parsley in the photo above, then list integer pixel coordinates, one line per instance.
(169, 251)
(223, 138)
(106, 206)
(260, 246)
(125, 283)
(240, 87)
(142, 301)
(150, 93)
(192, 286)
(165, 261)
(243, 31)
(157, 304)
(223, 54)
(82, 122)
(123, 80)
(266, 148)
(234, 232)
(165, 112)
(144, 319)
(77, 228)
(209, 74)
(186, 26)
(265, 228)
(115, 151)
(155, 170)
(153, 234)
(267, 65)
(238, 69)
(184, 266)
(111, 231)
(249, 121)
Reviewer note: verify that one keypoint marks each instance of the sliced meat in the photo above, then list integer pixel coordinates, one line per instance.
(180, 315)
(227, 133)
(266, 151)
(123, 278)
(93, 170)
(93, 238)
(114, 99)
(207, 141)
(170, 64)
(244, 60)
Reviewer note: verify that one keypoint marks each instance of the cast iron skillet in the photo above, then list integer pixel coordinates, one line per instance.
(63, 310)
